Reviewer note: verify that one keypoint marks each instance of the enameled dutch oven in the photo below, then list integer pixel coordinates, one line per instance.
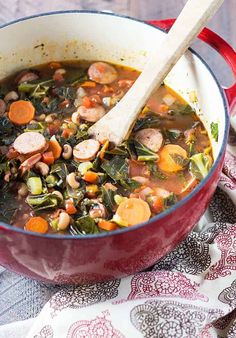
(122, 40)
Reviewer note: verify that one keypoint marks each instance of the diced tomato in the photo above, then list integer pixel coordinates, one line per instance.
(87, 102)
(95, 99)
(70, 208)
(67, 132)
(64, 103)
(158, 205)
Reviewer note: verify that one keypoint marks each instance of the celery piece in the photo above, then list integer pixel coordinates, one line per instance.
(34, 185)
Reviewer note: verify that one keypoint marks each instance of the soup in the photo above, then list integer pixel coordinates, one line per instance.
(56, 179)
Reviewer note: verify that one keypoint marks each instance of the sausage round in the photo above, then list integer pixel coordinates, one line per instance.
(91, 114)
(30, 143)
(102, 72)
(86, 150)
(151, 138)
(26, 77)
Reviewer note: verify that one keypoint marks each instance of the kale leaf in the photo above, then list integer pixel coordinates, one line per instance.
(83, 226)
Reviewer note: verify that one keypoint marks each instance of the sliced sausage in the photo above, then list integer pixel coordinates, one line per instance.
(3, 107)
(151, 138)
(91, 114)
(26, 77)
(102, 72)
(29, 163)
(11, 96)
(86, 150)
(30, 143)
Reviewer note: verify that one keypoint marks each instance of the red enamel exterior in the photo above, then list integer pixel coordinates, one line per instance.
(80, 260)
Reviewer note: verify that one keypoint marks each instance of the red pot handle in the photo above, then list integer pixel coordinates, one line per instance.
(220, 45)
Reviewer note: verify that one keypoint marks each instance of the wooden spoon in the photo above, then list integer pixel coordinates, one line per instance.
(118, 122)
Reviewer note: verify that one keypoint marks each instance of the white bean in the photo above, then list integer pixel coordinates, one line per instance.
(63, 221)
(42, 167)
(72, 181)
(67, 152)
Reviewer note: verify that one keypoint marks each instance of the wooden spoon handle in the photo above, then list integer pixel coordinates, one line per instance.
(118, 122)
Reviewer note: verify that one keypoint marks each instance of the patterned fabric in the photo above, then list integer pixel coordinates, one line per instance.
(189, 293)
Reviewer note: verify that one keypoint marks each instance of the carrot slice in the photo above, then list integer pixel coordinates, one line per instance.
(134, 211)
(106, 225)
(171, 156)
(70, 208)
(90, 177)
(89, 84)
(37, 224)
(21, 112)
(55, 147)
(48, 157)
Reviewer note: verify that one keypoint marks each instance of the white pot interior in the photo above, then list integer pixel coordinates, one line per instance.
(93, 36)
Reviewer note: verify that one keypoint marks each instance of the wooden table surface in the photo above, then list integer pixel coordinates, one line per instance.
(223, 23)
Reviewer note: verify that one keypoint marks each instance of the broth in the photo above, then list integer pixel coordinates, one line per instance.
(56, 179)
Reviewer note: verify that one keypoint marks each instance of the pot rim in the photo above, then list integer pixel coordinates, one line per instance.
(179, 204)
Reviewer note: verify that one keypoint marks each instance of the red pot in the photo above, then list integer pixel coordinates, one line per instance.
(66, 259)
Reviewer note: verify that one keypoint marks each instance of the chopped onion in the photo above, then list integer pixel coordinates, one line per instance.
(106, 101)
(78, 102)
(80, 92)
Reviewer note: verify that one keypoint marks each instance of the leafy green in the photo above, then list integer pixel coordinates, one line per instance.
(215, 131)
(108, 199)
(7, 131)
(43, 202)
(199, 166)
(37, 89)
(119, 151)
(116, 168)
(37, 126)
(170, 200)
(130, 184)
(155, 172)
(185, 109)
(49, 107)
(60, 170)
(151, 121)
(83, 226)
(173, 134)
(180, 160)
(76, 194)
(143, 153)
(4, 165)
(8, 202)
(78, 75)
(65, 92)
